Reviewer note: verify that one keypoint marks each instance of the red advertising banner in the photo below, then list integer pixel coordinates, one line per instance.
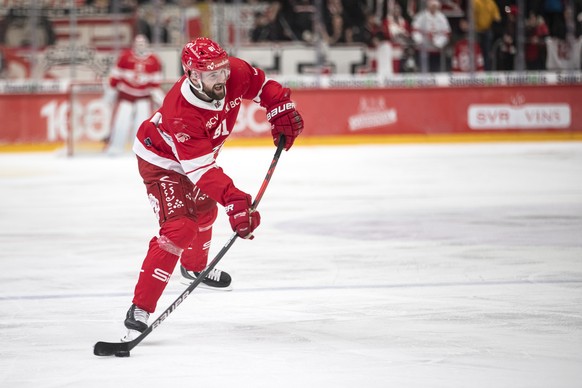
(440, 111)
(45, 118)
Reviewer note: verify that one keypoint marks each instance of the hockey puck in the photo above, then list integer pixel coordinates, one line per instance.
(122, 353)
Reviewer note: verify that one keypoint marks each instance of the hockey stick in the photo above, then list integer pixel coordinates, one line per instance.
(121, 349)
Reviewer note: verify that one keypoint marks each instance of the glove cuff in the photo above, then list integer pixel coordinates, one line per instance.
(235, 201)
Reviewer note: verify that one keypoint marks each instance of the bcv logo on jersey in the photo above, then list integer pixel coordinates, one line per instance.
(233, 104)
(212, 121)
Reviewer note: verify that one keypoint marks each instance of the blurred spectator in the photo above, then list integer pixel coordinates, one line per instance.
(100, 6)
(398, 31)
(333, 20)
(577, 17)
(355, 15)
(506, 51)
(3, 63)
(26, 27)
(370, 33)
(553, 13)
(431, 31)
(150, 23)
(134, 84)
(413, 7)
(110, 6)
(461, 60)
(450, 8)
(396, 28)
(486, 13)
(563, 47)
(298, 15)
(408, 62)
(267, 27)
(535, 48)
(563, 54)
(378, 8)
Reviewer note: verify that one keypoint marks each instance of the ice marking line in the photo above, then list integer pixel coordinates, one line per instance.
(64, 296)
(311, 288)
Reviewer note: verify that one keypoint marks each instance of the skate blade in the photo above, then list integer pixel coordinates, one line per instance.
(130, 336)
(187, 282)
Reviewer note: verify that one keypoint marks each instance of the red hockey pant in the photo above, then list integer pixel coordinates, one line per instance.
(185, 216)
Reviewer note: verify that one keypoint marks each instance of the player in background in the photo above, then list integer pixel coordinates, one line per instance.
(133, 86)
(177, 150)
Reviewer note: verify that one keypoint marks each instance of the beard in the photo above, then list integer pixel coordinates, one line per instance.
(217, 92)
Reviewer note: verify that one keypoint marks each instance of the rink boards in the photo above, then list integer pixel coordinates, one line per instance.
(42, 119)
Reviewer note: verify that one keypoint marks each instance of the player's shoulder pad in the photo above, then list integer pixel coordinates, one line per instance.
(240, 65)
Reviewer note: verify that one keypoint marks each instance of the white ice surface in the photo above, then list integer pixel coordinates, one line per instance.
(374, 266)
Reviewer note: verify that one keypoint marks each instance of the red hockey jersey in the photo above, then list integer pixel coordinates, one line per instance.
(186, 133)
(136, 77)
(461, 57)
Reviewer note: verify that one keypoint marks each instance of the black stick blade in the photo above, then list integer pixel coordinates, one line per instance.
(110, 348)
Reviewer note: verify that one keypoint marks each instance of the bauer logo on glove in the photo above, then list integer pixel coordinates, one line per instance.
(285, 120)
(243, 219)
(280, 109)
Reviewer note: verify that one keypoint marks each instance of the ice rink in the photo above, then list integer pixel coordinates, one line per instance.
(374, 266)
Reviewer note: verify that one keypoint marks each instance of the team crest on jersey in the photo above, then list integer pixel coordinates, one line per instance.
(155, 204)
(182, 137)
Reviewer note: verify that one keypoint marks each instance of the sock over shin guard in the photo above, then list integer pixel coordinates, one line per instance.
(195, 257)
(160, 261)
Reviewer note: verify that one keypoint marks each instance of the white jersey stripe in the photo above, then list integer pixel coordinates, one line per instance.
(197, 174)
(136, 92)
(195, 168)
(169, 141)
(140, 150)
(132, 76)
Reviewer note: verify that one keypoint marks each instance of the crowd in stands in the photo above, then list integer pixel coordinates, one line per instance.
(427, 35)
(435, 29)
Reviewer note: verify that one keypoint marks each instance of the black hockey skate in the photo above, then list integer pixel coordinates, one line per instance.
(136, 322)
(216, 279)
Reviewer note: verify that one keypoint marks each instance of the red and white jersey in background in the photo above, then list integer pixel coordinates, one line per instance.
(186, 133)
(396, 29)
(461, 61)
(135, 77)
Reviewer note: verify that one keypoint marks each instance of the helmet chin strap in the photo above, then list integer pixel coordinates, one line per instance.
(199, 88)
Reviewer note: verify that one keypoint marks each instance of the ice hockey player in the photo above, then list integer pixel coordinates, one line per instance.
(177, 150)
(132, 93)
